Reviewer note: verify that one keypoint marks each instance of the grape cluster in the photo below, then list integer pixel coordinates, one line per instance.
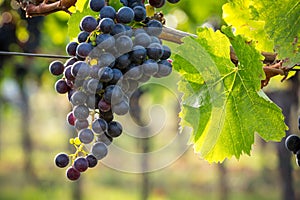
(113, 54)
(292, 143)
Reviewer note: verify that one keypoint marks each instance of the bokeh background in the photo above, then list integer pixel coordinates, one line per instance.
(33, 128)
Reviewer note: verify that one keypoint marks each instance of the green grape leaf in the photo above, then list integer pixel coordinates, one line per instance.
(81, 11)
(222, 102)
(267, 22)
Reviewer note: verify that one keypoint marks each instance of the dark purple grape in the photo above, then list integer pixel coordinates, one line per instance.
(71, 48)
(68, 73)
(117, 76)
(99, 150)
(150, 67)
(81, 164)
(154, 27)
(292, 143)
(173, 1)
(104, 106)
(107, 116)
(142, 39)
(73, 174)
(155, 51)
(134, 73)
(167, 53)
(61, 160)
(96, 5)
(61, 86)
(164, 69)
(123, 61)
(157, 3)
(83, 49)
(88, 23)
(105, 41)
(92, 160)
(105, 74)
(124, 44)
(56, 68)
(118, 30)
(106, 25)
(81, 112)
(104, 138)
(99, 126)
(78, 98)
(81, 124)
(114, 129)
(121, 108)
(138, 54)
(139, 13)
(71, 61)
(107, 12)
(125, 15)
(106, 59)
(86, 136)
(83, 36)
(71, 118)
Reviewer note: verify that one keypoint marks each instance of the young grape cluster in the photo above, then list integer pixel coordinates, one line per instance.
(292, 143)
(113, 54)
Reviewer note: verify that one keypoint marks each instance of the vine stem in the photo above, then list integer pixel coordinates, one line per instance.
(175, 36)
(6, 53)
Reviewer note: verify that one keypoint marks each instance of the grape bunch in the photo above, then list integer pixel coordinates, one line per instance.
(114, 53)
(292, 143)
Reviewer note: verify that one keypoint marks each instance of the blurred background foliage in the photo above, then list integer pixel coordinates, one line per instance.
(33, 127)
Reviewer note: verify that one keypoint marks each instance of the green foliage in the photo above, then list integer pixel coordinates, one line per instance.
(222, 102)
(272, 24)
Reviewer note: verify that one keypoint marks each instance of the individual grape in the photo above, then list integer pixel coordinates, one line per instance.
(117, 76)
(173, 1)
(92, 85)
(138, 54)
(56, 68)
(71, 61)
(61, 160)
(107, 12)
(81, 164)
(125, 15)
(99, 150)
(83, 36)
(166, 53)
(129, 31)
(157, 3)
(292, 143)
(91, 101)
(73, 174)
(80, 70)
(78, 83)
(138, 31)
(92, 160)
(68, 73)
(88, 23)
(106, 59)
(124, 44)
(142, 39)
(99, 126)
(107, 116)
(99, 88)
(104, 138)
(86, 136)
(113, 94)
(118, 30)
(106, 25)
(134, 73)
(139, 13)
(121, 108)
(123, 61)
(105, 74)
(155, 39)
(71, 119)
(78, 98)
(154, 27)
(61, 86)
(155, 51)
(104, 106)
(84, 49)
(114, 129)
(164, 69)
(81, 124)
(71, 48)
(81, 112)
(150, 67)
(105, 41)
(96, 5)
